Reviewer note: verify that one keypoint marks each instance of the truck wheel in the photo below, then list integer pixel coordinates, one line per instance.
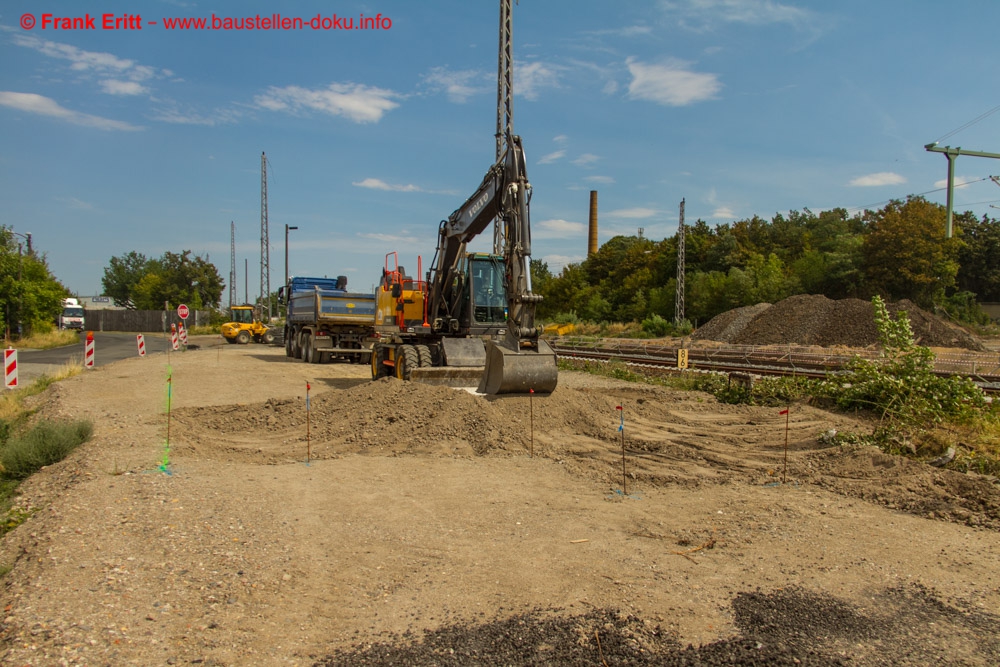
(406, 360)
(297, 346)
(424, 355)
(306, 347)
(243, 337)
(288, 345)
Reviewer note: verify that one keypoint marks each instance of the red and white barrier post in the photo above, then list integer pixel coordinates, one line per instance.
(183, 333)
(141, 343)
(88, 351)
(10, 368)
(173, 337)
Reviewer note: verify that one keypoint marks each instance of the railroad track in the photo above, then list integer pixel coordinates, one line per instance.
(661, 357)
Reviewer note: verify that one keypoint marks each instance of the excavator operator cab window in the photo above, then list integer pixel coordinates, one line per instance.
(489, 299)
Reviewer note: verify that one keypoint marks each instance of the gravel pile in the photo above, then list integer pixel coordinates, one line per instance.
(790, 626)
(813, 319)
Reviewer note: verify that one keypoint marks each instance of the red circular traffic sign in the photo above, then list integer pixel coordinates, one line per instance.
(182, 311)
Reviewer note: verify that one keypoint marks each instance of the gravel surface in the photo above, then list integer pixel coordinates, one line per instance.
(408, 524)
(813, 319)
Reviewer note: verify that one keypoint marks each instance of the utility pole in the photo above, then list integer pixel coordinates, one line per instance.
(232, 263)
(952, 154)
(679, 299)
(265, 243)
(505, 102)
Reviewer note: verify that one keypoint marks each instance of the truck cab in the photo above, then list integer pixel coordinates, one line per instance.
(72, 315)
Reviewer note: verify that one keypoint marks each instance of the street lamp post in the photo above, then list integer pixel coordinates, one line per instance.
(20, 263)
(287, 229)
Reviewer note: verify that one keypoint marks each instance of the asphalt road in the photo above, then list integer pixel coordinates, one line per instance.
(108, 348)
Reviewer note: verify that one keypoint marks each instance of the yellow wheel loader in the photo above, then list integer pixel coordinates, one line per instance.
(245, 326)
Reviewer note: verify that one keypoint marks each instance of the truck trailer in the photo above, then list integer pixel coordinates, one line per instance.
(324, 321)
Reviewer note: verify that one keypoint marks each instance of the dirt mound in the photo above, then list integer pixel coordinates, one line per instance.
(726, 326)
(813, 319)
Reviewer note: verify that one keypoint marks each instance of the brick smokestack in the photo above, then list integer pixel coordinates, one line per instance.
(592, 240)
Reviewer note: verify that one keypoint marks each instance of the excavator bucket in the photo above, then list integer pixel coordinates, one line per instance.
(511, 371)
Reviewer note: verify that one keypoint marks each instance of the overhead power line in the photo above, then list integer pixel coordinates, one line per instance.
(970, 123)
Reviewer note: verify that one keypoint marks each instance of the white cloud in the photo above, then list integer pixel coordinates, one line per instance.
(585, 159)
(389, 238)
(125, 75)
(960, 182)
(172, 114)
(557, 229)
(557, 263)
(379, 184)
(116, 87)
(880, 178)
(751, 12)
(627, 31)
(632, 213)
(530, 78)
(560, 138)
(599, 179)
(723, 212)
(77, 204)
(459, 86)
(357, 102)
(671, 83)
(45, 106)
(552, 157)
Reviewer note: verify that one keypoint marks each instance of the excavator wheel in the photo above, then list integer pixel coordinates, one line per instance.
(424, 356)
(378, 368)
(406, 360)
(243, 337)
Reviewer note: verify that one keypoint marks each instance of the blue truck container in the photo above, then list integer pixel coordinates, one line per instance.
(325, 321)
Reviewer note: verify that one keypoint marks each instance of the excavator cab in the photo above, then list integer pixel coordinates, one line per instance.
(489, 298)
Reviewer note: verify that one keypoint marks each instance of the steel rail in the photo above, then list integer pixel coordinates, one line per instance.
(982, 368)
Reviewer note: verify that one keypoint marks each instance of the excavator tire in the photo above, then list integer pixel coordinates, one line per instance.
(406, 360)
(424, 356)
(267, 337)
(378, 368)
(511, 371)
(243, 337)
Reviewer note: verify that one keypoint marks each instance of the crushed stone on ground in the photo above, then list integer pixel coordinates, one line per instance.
(813, 319)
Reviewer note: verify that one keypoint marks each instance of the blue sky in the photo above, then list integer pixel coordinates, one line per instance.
(150, 140)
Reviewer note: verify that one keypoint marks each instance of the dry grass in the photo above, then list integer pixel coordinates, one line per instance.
(47, 340)
(11, 402)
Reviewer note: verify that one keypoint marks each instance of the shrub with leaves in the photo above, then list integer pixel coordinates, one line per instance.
(901, 387)
(45, 444)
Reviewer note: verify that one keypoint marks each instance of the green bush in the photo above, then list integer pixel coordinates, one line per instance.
(656, 326)
(47, 443)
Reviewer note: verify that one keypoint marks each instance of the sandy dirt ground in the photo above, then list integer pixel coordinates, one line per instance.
(434, 526)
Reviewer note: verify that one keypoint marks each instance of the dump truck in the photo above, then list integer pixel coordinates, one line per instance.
(472, 316)
(324, 321)
(245, 325)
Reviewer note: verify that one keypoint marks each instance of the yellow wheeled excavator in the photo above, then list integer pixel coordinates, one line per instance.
(471, 318)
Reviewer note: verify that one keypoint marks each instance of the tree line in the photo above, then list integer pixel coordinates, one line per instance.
(30, 296)
(896, 252)
(146, 283)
